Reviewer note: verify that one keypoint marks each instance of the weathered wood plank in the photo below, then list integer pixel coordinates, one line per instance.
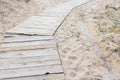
(31, 47)
(27, 45)
(59, 76)
(40, 24)
(29, 64)
(28, 59)
(20, 44)
(13, 38)
(28, 53)
(61, 10)
(56, 13)
(41, 19)
(11, 73)
(53, 14)
(31, 31)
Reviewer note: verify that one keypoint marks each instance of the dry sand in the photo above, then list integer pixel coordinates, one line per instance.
(89, 41)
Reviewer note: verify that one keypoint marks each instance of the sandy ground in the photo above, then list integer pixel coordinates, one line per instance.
(89, 41)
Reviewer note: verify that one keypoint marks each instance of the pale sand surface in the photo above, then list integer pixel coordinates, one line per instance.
(89, 41)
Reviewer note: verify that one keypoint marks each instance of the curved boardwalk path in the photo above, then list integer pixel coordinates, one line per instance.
(29, 51)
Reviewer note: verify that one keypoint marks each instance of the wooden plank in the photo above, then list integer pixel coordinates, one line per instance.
(56, 13)
(42, 26)
(29, 64)
(56, 10)
(28, 53)
(20, 44)
(41, 18)
(60, 8)
(59, 76)
(11, 73)
(39, 25)
(48, 26)
(53, 14)
(13, 38)
(32, 47)
(13, 35)
(28, 59)
(36, 21)
(30, 31)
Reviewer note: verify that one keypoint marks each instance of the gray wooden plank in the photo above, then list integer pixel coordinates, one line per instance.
(28, 53)
(31, 47)
(11, 73)
(53, 14)
(30, 31)
(60, 7)
(20, 44)
(61, 10)
(39, 21)
(7, 35)
(29, 64)
(50, 27)
(28, 59)
(41, 18)
(13, 38)
(59, 76)
(39, 25)
(56, 13)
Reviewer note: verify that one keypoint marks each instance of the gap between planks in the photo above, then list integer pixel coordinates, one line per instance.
(54, 76)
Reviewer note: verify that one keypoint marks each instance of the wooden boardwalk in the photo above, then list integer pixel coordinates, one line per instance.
(29, 51)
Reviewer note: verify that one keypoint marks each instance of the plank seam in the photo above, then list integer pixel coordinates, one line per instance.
(32, 75)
